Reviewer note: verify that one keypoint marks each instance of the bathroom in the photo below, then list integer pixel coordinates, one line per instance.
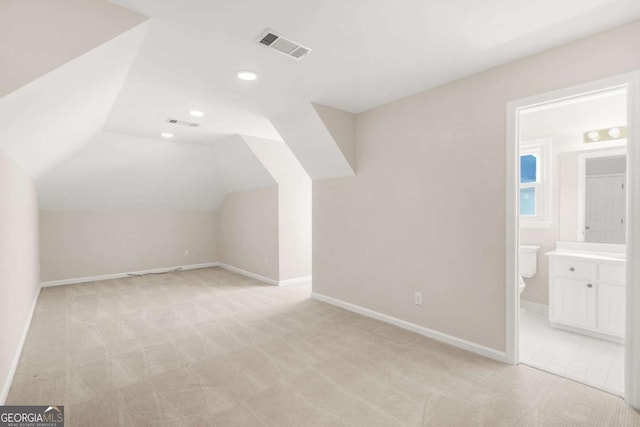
(572, 237)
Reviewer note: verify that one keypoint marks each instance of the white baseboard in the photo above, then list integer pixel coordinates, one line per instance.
(429, 333)
(295, 281)
(249, 274)
(124, 275)
(265, 279)
(268, 280)
(4, 393)
(534, 307)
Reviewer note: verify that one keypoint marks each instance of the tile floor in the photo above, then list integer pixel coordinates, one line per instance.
(591, 361)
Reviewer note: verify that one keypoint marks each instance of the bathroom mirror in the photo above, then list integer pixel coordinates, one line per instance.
(602, 196)
(592, 196)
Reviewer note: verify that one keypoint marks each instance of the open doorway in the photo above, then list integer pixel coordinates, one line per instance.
(566, 178)
(571, 202)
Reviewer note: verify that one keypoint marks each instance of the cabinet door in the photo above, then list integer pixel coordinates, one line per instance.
(611, 306)
(573, 302)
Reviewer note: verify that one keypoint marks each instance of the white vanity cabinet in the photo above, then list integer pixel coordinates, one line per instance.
(587, 294)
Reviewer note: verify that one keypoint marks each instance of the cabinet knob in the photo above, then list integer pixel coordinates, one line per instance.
(572, 269)
(589, 285)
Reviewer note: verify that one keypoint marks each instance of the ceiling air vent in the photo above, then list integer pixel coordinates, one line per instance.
(182, 122)
(273, 40)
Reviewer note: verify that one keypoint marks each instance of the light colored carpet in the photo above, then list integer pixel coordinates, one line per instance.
(210, 347)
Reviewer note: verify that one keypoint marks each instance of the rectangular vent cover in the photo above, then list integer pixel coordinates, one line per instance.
(182, 123)
(273, 40)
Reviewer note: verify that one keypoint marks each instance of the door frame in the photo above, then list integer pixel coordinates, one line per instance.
(630, 81)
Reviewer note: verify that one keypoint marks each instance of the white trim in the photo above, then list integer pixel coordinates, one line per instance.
(294, 281)
(632, 337)
(249, 274)
(512, 234)
(288, 282)
(16, 358)
(535, 224)
(541, 148)
(421, 330)
(123, 275)
(534, 307)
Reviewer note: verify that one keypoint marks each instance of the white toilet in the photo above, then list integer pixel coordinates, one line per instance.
(528, 263)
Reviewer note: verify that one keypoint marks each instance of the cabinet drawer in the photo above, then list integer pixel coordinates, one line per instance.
(612, 274)
(573, 269)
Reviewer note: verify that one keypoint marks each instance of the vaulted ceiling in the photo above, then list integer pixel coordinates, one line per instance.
(84, 109)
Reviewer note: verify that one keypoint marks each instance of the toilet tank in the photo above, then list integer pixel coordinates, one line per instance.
(528, 260)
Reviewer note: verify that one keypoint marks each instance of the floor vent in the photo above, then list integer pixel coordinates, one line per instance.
(273, 40)
(182, 123)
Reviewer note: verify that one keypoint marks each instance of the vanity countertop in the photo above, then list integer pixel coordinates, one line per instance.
(599, 256)
(593, 251)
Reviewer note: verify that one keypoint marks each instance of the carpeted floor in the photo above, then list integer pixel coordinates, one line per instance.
(210, 347)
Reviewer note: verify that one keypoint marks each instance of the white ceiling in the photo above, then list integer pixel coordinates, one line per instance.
(35, 35)
(48, 119)
(92, 137)
(365, 53)
(116, 171)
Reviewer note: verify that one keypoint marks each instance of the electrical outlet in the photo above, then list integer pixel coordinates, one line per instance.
(417, 299)
(187, 252)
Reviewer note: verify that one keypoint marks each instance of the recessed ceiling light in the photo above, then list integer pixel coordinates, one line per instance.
(247, 75)
(196, 113)
(166, 135)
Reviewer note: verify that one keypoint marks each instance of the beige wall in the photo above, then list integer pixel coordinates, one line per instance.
(83, 244)
(18, 260)
(243, 233)
(426, 211)
(342, 127)
(37, 36)
(248, 231)
(294, 206)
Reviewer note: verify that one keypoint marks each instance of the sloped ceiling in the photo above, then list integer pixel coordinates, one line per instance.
(117, 171)
(310, 139)
(54, 115)
(89, 130)
(37, 36)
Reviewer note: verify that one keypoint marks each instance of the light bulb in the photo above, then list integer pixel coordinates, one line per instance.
(614, 132)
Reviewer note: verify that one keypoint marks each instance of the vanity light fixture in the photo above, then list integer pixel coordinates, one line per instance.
(614, 132)
(247, 75)
(606, 134)
(593, 135)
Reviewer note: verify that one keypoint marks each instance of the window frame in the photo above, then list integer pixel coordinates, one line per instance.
(541, 148)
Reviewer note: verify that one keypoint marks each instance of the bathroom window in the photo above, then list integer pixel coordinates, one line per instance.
(534, 184)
